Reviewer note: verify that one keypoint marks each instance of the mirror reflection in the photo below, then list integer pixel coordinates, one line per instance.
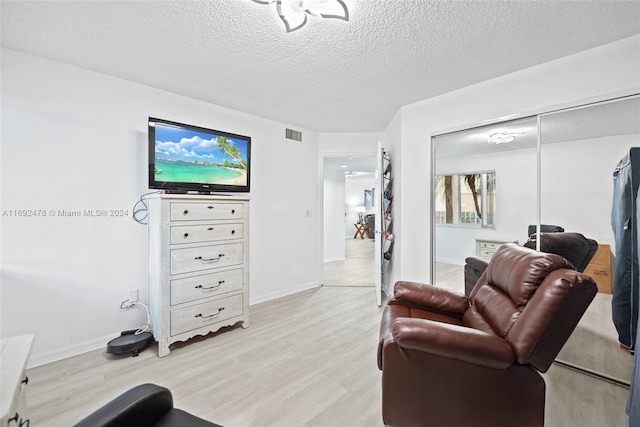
(497, 163)
(580, 149)
(578, 153)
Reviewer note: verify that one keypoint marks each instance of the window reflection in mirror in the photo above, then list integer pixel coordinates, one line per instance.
(468, 198)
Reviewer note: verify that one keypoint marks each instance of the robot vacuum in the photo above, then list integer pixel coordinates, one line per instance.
(129, 343)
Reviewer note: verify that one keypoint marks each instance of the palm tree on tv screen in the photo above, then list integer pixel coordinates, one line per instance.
(231, 150)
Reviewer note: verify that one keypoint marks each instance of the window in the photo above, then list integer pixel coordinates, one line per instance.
(466, 199)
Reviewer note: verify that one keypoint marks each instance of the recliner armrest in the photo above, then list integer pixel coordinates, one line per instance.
(431, 297)
(473, 269)
(453, 341)
(477, 263)
(140, 406)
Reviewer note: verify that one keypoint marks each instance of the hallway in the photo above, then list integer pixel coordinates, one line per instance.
(358, 267)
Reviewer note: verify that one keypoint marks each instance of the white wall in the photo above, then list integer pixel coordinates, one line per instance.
(74, 139)
(594, 73)
(334, 214)
(349, 143)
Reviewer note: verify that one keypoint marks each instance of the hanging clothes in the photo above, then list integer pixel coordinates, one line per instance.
(624, 221)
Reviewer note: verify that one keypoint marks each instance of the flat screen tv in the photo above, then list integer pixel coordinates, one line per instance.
(185, 158)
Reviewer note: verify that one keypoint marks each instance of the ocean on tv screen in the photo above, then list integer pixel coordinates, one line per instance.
(180, 171)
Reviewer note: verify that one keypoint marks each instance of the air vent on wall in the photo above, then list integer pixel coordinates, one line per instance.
(294, 135)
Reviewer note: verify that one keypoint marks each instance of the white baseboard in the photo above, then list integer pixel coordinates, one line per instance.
(451, 261)
(69, 351)
(284, 293)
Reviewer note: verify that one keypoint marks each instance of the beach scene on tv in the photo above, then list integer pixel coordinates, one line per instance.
(183, 155)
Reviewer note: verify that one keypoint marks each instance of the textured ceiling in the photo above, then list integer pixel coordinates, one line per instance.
(331, 75)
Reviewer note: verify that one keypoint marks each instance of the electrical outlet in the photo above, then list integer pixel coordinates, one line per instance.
(133, 295)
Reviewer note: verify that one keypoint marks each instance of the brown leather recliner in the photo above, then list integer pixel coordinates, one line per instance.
(452, 360)
(574, 247)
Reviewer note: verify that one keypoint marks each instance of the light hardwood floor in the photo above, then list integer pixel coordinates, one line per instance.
(308, 359)
(357, 269)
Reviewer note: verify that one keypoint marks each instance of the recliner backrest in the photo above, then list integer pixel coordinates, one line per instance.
(544, 228)
(518, 298)
(550, 317)
(505, 287)
(574, 247)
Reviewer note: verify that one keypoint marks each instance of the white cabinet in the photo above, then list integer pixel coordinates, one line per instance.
(14, 353)
(198, 266)
(486, 246)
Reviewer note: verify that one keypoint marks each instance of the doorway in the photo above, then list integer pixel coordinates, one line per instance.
(349, 186)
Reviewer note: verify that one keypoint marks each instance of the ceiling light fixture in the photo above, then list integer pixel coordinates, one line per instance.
(501, 138)
(294, 12)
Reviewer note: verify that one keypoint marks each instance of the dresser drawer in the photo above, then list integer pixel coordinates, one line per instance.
(185, 211)
(486, 253)
(206, 285)
(205, 233)
(197, 316)
(205, 257)
(489, 245)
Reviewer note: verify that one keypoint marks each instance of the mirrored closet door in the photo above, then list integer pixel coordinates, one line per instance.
(492, 184)
(580, 149)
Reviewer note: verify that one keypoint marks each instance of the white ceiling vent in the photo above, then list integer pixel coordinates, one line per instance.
(293, 135)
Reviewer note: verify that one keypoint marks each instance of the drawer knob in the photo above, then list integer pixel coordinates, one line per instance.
(233, 231)
(209, 207)
(210, 229)
(186, 235)
(25, 381)
(233, 211)
(186, 211)
(211, 315)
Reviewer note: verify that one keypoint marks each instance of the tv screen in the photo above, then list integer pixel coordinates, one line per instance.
(184, 158)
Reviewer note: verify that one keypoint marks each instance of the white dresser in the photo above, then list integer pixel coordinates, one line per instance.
(14, 353)
(198, 266)
(486, 246)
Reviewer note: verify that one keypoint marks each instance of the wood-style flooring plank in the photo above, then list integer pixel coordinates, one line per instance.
(357, 269)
